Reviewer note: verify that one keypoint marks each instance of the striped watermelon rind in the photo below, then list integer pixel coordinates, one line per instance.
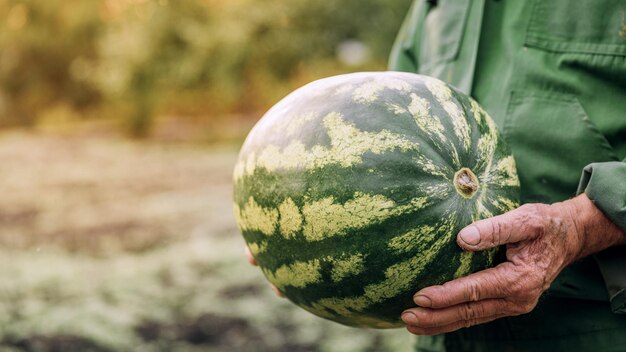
(351, 190)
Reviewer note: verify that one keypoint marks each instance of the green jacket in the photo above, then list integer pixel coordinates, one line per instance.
(552, 74)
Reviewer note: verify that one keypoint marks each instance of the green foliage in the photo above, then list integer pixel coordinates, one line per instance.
(190, 58)
(39, 42)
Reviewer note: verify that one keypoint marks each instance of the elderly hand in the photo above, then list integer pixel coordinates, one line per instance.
(541, 240)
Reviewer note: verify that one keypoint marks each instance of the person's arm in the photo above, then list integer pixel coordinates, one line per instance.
(541, 240)
(605, 185)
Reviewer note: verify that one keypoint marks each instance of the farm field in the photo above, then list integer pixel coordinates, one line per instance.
(108, 244)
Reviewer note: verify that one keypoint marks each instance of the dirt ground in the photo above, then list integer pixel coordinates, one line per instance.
(113, 245)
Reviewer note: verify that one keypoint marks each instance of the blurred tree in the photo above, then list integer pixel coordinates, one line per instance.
(140, 58)
(39, 43)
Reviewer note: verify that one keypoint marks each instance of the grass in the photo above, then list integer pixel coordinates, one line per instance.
(112, 245)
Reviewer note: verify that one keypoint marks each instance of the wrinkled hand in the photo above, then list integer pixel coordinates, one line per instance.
(540, 241)
(252, 261)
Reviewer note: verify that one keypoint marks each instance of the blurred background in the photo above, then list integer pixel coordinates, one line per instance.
(120, 122)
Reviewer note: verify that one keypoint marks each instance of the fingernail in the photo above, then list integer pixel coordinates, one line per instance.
(470, 235)
(409, 318)
(422, 301)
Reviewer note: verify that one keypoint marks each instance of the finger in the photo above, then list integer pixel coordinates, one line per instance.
(490, 283)
(249, 256)
(523, 223)
(252, 261)
(432, 318)
(452, 327)
(277, 291)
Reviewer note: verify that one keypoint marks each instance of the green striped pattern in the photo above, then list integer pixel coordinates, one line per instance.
(345, 192)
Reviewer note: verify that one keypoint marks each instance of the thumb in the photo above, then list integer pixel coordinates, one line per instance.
(517, 225)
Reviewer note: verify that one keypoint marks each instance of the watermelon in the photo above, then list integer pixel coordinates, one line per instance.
(351, 190)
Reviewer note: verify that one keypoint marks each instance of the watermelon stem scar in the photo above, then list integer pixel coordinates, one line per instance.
(466, 183)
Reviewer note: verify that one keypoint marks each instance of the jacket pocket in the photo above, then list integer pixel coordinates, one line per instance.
(581, 26)
(552, 140)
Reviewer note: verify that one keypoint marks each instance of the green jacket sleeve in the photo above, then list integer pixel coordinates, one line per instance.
(403, 56)
(605, 184)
